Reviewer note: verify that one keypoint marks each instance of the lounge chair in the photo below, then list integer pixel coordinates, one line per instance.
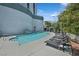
(53, 43)
(58, 41)
(12, 38)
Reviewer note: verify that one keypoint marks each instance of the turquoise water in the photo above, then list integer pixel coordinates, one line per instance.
(30, 37)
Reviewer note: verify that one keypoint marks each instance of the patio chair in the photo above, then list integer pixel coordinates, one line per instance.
(12, 38)
(53, 43)
(58, 41)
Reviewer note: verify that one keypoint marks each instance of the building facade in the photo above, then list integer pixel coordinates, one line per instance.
(19, 18)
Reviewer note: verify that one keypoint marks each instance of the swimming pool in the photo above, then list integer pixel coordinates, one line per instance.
(21, 39)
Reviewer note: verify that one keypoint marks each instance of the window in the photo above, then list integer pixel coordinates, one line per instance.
(27, 5)
(34, 8)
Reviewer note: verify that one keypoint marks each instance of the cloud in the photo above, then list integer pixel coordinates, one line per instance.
(64, 4)
(55, 14)
(48, 16)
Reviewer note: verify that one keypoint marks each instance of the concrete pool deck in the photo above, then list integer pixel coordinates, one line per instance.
(35, 48)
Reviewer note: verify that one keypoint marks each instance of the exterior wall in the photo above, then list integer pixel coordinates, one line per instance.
(38, 25)
(35, 9)
(31, 7)
(17, 19)
(13, 21)
(24, 4)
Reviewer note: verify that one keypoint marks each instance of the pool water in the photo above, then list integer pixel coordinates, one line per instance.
(21, 39)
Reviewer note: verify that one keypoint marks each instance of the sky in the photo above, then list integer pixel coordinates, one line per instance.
(50, 11)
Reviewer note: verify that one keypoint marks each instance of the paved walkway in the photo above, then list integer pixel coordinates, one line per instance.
(48, 51)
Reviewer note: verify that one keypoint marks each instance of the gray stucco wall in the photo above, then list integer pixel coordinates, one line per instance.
(31, 7)
(38, 24)
(23, 4)
(13, 21)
